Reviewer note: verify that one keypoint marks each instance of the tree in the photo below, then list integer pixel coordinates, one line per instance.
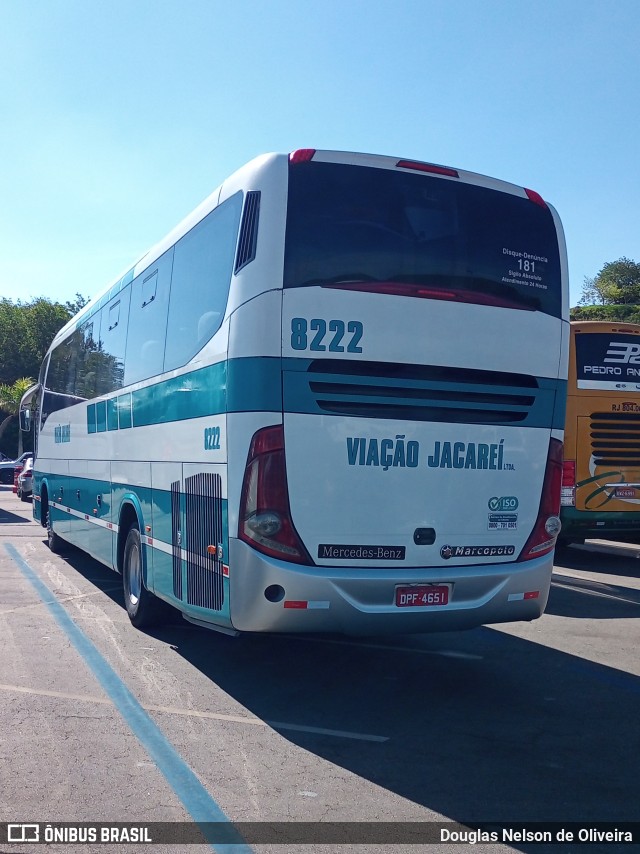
(590, 293)
(617, 283)
(610, 313)
(74, 306)
(10, 397)
(26, 331)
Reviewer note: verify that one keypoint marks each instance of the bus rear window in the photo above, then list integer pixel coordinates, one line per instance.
(610, 359)
(412, 234)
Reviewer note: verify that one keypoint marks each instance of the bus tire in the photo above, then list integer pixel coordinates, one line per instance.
(55, 542)
(144, 609)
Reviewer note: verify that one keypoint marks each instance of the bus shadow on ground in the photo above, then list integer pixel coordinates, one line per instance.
(582, 597)
(618, 558)
(481, 726)
(9, 518)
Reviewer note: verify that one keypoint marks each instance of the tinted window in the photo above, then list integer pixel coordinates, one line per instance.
(59, 390)
(359, 224)
(148, 320)
(202, 267)
(609, 358)
(60, 367)
(113, 339)
(89, 358)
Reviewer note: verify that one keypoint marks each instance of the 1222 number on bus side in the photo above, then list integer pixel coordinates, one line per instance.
(421, 595)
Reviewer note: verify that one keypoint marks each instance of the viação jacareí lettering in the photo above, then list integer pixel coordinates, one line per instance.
(386, 453)
(398, 453)
(467, 455)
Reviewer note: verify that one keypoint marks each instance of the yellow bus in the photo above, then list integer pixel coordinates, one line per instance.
(601, 470)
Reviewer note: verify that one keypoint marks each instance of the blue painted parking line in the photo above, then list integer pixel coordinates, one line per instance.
(196, 799)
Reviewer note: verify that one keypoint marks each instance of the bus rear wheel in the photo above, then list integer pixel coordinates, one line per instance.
(143, 608)
(56, 544)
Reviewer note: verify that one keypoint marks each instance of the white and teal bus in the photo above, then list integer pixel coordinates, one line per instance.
(331, 400)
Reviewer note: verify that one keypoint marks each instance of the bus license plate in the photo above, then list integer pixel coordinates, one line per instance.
(625, 492)
(421, 595)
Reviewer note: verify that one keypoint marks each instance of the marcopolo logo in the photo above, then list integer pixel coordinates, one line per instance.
(448, 552)
(507, 503)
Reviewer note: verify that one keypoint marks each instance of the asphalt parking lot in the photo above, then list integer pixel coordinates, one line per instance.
(531, 722)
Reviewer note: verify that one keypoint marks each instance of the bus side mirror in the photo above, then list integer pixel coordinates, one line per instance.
(25, 420)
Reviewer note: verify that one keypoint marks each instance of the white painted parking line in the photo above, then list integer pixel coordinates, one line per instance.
(609, 547)
(195, 713)
(359, 736)
(62, 599)
(578, 588)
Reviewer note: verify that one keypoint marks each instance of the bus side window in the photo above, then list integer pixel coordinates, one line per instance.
(60, 378)
(202, 268)
(113, 341)
(148, 320)
(89, 357)
(208, 325)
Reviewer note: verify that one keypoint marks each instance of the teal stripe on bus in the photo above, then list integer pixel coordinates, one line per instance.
(240, 385)
(256, 385)
(82, 522)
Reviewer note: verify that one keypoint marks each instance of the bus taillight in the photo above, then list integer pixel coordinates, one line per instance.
(535, 197)
(302, 155)
(427, 167)
(265, 515)
(568, 494)
(547, 527)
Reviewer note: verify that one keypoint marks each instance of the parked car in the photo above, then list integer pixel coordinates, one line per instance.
(7, 467)
(25, 481)
(17, 471)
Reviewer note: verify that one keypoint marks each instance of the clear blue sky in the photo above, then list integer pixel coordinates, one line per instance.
(119, 116)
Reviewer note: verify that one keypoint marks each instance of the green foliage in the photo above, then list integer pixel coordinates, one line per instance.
(617, 284)
(74, 306)
(612, 313)
(26, 331)
(10, 397)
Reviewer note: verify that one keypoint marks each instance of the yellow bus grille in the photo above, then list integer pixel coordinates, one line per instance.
(615, 438)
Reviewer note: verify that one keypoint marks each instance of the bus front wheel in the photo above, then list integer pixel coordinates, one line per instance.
(143, 608)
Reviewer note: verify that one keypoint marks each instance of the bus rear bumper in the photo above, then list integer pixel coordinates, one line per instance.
(267, 595)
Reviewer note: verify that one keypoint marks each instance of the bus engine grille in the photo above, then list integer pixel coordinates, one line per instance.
(615, 438)
(417, 393)
(202, 528)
